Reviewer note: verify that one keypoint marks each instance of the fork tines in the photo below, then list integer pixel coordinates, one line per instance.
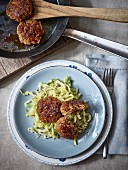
(108, 76)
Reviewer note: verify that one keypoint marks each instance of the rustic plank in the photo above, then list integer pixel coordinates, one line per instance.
(2, 72)
(11, 64)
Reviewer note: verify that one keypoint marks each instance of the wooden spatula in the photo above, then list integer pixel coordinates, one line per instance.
(43, 9)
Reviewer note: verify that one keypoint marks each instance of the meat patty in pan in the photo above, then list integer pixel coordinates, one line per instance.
(30, 32)
(19, 10)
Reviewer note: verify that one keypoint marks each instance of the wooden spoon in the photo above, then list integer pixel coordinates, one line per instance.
(44, 10)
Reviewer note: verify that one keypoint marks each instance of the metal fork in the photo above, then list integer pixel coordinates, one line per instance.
(108, 79)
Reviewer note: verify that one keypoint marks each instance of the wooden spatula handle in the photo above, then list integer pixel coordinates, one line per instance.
(47, 10)
(110, 14)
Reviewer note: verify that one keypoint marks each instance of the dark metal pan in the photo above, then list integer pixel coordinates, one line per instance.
(10, 46)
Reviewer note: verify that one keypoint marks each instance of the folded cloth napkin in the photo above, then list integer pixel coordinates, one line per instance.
(118, 137)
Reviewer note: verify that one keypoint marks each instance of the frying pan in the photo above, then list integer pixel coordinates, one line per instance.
(10, 47)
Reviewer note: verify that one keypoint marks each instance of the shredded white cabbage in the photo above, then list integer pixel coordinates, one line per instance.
(80, 120)
(63, 91)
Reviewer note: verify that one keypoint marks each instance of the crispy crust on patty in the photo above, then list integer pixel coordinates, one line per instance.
(70, 107)
(19, 10)
(30, 32)
(48, 109)
(65, 128)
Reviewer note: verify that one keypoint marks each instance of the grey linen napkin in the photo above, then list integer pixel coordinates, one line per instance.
(118, 137)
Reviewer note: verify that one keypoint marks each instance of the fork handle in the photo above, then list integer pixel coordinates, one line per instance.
(105, 149)
(107, 45)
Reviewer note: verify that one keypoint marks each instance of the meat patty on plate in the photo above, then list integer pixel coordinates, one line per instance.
(71, 106)
(19, 10)
(65, 128)
(48, 109)
(30, 32)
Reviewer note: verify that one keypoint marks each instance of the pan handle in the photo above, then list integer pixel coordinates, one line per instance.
(113, 47)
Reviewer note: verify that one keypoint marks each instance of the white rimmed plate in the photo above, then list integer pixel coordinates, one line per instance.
(14, 130)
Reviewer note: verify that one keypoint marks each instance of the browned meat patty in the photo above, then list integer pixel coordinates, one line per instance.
(72, 106)
(30, 32)
(19, 10)
(65, 128)
(48, 109)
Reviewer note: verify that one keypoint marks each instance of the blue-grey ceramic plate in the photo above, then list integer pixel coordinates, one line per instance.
(59, 148)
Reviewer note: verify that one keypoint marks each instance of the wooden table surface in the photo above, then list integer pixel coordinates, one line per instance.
(11, 156)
